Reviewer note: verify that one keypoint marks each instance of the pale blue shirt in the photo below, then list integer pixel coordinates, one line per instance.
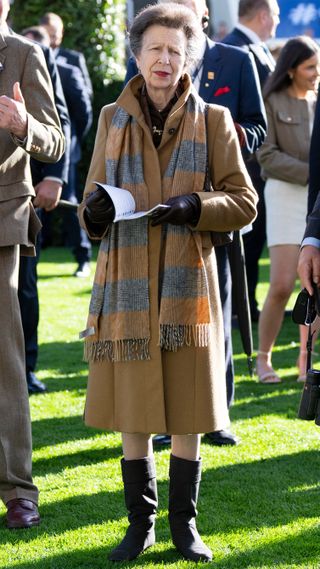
(311, 241)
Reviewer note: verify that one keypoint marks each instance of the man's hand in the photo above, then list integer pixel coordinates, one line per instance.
(13, 113)
(48, 193)
(309, 267)
(241, 134)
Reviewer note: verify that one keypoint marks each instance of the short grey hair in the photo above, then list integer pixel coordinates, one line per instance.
(169, 15)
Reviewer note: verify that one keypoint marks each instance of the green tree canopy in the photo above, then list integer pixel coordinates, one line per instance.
(94, 27)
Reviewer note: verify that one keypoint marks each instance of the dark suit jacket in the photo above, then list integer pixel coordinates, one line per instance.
(265, 66)
(229, 78)
(60, 169)
(64, 55)
(313, 224)
(314, 160)
(78, 103)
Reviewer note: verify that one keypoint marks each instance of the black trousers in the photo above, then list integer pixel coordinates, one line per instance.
(74, 236)
(225, 284)
(254, 241)
(29, 307)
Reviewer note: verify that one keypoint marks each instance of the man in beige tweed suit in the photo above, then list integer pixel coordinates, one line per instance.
(29, 126)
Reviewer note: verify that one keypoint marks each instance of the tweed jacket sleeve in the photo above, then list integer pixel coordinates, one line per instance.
(232, 204)
(44, 139)
(284, 154)
(24, 63)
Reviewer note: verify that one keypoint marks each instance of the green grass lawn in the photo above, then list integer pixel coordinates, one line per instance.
(259, 503)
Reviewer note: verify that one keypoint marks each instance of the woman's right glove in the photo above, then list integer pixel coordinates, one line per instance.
(99, 210)
(183, 209)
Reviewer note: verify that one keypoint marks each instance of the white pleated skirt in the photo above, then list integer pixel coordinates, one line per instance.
(286, 210)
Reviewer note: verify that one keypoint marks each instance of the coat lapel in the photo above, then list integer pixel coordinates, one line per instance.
(211, 71)
(3, 45)
(265, 59)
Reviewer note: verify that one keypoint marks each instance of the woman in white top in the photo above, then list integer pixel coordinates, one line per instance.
(290, 96)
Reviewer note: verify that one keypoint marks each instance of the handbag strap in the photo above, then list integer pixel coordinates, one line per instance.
(218, 238)
(207, 183)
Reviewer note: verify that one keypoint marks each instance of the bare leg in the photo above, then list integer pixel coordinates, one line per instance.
(186, 446)
(136, 446)
(283, 272)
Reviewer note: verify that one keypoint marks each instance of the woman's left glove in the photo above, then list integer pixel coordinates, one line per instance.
(99, 211)
(99, 207)
(182, 210)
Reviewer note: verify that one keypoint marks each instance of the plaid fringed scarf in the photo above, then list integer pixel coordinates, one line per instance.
(119, 308)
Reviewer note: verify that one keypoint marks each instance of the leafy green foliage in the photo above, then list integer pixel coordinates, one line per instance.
(97, 29)
(94, 27)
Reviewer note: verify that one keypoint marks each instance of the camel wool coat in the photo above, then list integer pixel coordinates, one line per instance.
(179, 392)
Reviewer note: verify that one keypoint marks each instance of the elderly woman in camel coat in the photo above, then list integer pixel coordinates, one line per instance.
(155, 337)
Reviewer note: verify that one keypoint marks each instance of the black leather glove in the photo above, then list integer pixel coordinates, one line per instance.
(99, 210)
(183, 209)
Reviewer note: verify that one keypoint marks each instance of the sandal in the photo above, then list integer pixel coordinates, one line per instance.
(269, 376)
(302, 378)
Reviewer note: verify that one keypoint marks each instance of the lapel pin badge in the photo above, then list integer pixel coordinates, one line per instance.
(210, 75)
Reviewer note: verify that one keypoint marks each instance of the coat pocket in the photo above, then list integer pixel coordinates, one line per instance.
(288, 118)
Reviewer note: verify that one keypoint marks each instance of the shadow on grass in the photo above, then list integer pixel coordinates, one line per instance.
(248, 497)
(53, 465)
(263, 402)
(57, 430)
(62, 358)
(300, 550)
(97, 558)
(262, 493)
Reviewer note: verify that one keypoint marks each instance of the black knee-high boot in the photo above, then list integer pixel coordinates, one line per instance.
(185, 476)
(140, 493)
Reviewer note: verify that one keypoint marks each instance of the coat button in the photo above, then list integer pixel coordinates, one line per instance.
(172, 130)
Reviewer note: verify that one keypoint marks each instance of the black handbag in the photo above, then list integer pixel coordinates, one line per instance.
(218, 238)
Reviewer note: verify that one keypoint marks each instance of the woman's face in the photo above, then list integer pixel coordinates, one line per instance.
(305, 76)
(162, 59)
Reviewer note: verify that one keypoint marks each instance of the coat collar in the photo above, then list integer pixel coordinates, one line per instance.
(129, 98)
(3, 45)
(242, 35)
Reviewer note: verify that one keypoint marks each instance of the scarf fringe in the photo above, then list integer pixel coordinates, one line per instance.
(174, 336)
(117, 351)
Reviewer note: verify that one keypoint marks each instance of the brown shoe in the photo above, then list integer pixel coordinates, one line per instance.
(22, 514)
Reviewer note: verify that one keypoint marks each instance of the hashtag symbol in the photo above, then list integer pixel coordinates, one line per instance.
(304, 13)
